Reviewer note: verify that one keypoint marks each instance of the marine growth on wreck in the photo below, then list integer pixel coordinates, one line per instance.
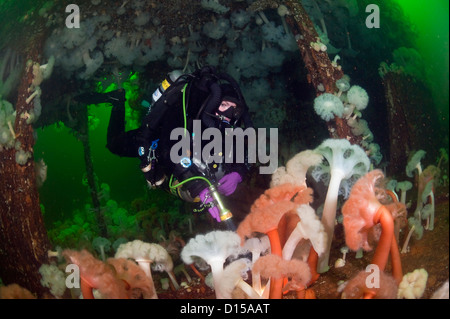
(354, 206)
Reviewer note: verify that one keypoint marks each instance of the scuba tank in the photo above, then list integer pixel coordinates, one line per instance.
(165, 84)
(168, 81)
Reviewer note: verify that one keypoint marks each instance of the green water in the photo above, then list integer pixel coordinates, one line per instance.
(64, 190)
(431, 20)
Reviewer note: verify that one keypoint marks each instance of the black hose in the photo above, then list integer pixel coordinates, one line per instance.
(247, 119)
(213, 103)
(245, 116)
(234, 84)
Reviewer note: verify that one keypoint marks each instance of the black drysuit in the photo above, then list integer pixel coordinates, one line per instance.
(166, 115)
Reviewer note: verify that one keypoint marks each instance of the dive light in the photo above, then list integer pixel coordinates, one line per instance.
(225, 213)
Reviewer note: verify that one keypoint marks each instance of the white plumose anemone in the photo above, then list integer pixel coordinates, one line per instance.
(328, 105)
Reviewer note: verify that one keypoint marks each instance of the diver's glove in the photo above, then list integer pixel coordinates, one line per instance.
(207, 198)
(228, 183)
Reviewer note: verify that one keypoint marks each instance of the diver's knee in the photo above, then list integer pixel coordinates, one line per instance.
(113, 148)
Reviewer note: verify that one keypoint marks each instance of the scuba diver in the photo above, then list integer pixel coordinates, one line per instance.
(205, 95)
